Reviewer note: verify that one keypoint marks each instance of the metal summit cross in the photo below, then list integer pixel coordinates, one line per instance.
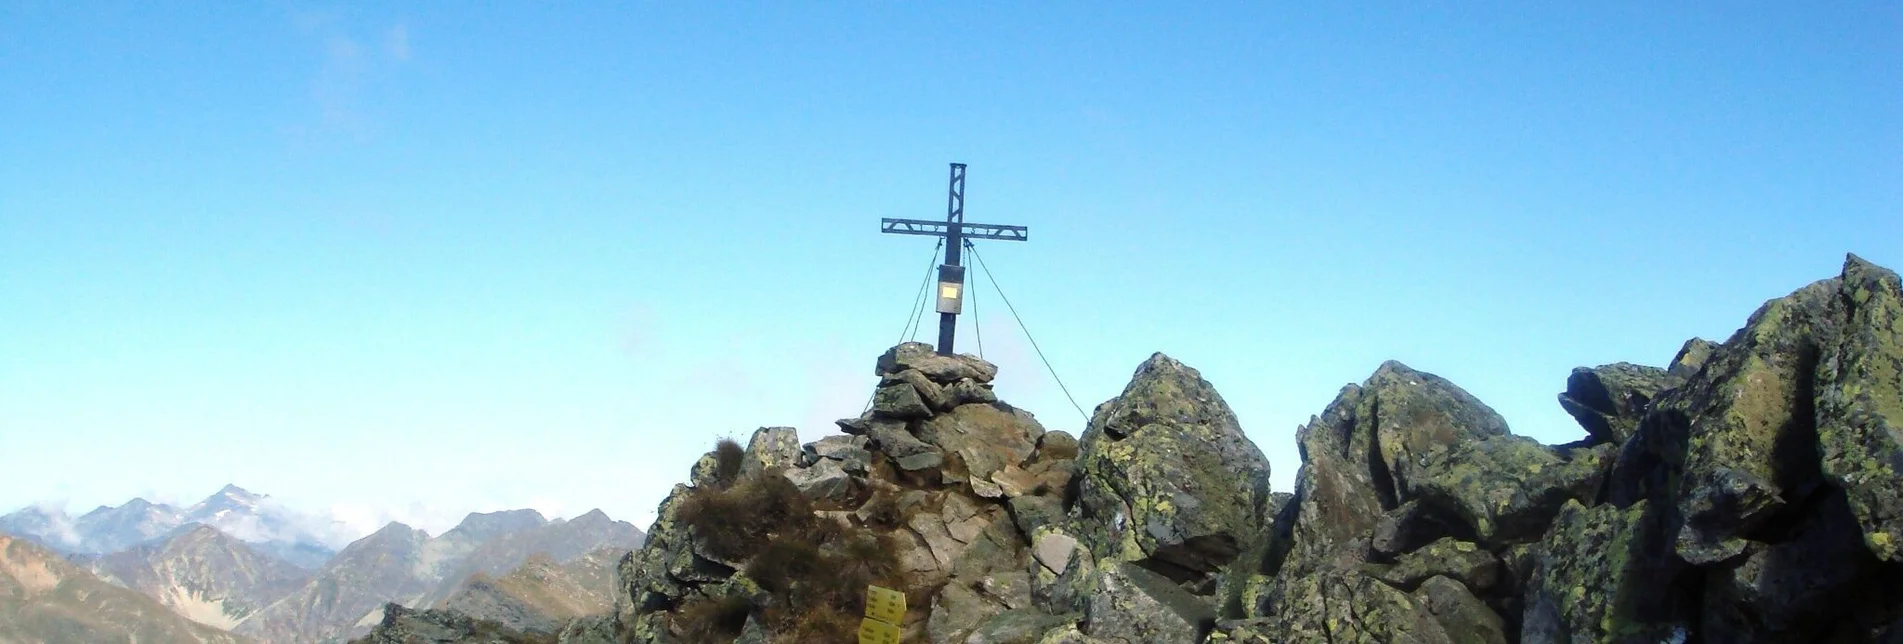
(951, 276)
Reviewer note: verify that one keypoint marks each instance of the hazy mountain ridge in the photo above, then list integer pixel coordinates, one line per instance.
(408, 567)
(205, 575)
(44, 598)
(560, 540)
(542, 594)
(300, 538)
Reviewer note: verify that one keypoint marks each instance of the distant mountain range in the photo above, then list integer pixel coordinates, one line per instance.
(404, 565)
(241, 565)
(301, 539)
(45, 598)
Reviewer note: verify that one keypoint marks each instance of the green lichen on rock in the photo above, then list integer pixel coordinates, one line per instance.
(1462, 561)
(1507, 488)
(1752, 433)
(1600, 577)
(1339, 605)
(1610, 400)
(1465, 618)
(1132, 605)
(1168, 476)
(1860, 404)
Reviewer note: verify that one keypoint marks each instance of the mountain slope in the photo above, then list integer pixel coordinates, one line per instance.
(560, 540)
(347, 593)
(541, 595)
(43, 598)
(205, 575)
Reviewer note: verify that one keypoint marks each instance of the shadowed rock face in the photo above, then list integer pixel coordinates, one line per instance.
(1746, 492)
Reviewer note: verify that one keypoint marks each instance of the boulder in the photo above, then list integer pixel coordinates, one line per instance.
(1461, 561)
(850, 451)
(986, 438)
(969, 392)
(1691, 357)
(1505, 489)
(771, 447)
(1603, 574)
(826, 479)
(1032, 512)
(899, 401)
(1338, 605)
(1464, 618)
(923, 358)
(1752, 446)
(1815, 579)
(1132, 605)
(1054, 550)
(933, 394)
(1019, 627)
(1168, 476)
(1608, 401)
(1860, 403)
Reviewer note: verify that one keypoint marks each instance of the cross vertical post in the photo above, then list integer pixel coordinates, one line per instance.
(954, 242)
(951, 274)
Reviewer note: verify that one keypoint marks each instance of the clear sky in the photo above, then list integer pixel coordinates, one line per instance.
(409, 260)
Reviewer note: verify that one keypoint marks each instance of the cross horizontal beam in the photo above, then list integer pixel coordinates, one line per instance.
(942, 229)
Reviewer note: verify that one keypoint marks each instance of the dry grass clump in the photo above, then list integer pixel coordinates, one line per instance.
(814, 571)
(712, 619)
(735, 521)
(728, 456)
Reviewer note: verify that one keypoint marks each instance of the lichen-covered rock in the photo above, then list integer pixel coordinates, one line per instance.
(849, 450)
(1507, 488)
(1603, 574)
(1338, 605)
(1799, 588)
(924, 359)
(596, 629)
(1019, 627)
(1464, 618)
(1067, 635)
(1752, 438)
(1383, 442)
(1609, 400)
(1033, 512)
(405, 626)
(933, 394)
(900, 401)
(1860, 403)
(986, 438)
(771, 447)
(1691, 357)
(826, 479)
(1462, 561)
(1132, 605)
(1168, 476)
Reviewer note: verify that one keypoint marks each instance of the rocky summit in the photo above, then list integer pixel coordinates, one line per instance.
(1745, 491)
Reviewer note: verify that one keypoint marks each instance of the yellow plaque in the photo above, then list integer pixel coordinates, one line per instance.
(872, 631)
(885, 604)
(948, 292)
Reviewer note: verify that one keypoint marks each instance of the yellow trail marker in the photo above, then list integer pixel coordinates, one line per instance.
(885, 605)
(872, 631)
(885, 610)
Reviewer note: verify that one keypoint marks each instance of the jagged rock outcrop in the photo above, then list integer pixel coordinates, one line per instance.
(405, 626)
(1167, 478)
(1747, 491)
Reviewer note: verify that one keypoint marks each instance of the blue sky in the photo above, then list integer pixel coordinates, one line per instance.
(409, 260)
